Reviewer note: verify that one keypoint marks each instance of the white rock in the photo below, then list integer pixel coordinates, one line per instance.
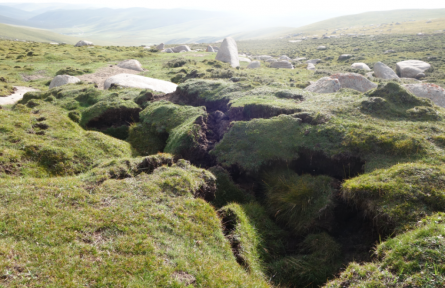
(178, 49)
(310, 67)
(254, 64)
(354, 81)
(321, 48)
(131, 64)
(344, 57)
(313, 61)
(244, 59)
(282, 64)
(361, 66)
(83, 43)
(228, 52)
(411, 68)
(285, 57)
(210, 49)
(136, 81)
(382, 71)
(428, 90)
(324, 85)
(60, 80)
(160, 47)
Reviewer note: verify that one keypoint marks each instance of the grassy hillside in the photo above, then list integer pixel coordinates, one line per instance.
(239, 178)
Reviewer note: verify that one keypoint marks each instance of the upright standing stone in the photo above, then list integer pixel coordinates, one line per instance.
(228, 52)
(160, 47)
(382, 71)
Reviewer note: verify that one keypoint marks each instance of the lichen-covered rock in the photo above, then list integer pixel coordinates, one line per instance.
(184, 48)
(325, 85)
(361, 66)
(412, 68)
(136, 81)
(354, 81)
(130, 64)
(254, 64)
(282, 64)
(83, 43)
(384, 72)
(427, 90)
(228, 52)
(60, 80)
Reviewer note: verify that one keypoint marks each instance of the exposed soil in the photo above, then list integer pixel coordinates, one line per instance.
(115, 118)
(17, 96)
(103, 74)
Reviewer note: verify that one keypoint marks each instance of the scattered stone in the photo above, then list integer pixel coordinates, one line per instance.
(210, 49)
(136, 81)
(60, 80)
(254, 64)
(83, 43)
(300, 59)
(382, 71)
(131, 64)
(282, 64)
(324, 85)
(354, 81)
(168, 50)
(412, 68)
(361, 66)
(389, 51)
(310, 67)
(160, 47)
(427, 90)
(313, 61)
(244, 59)
(184, 48)
(285, 57)
(228, 52)
(321, 48)
(343, 57)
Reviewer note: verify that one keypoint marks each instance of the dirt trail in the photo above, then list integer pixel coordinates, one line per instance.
(103, 74)
(17, 96)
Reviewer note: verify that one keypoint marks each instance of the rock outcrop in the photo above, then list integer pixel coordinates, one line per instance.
(184, 48)
(228, 52)
(382, 71)
(282, 64)
(354, 81)
(324, 85)
(60, 80)
(136, 81)
(412, 68)
(130, 64)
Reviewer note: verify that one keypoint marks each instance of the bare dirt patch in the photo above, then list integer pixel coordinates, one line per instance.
(103, 74)
(18, 95)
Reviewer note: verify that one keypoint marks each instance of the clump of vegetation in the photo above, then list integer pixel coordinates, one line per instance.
(73, 71)
(179, 62)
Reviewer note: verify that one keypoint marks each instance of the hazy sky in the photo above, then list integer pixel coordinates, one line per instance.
(262, 7)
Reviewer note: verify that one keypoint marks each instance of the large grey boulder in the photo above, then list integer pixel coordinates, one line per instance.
(282, 64)
(131, 64)
(136, 81)
(313, 61)
(428, 90)
(310, 67)
(160, 47)
(412, 68)
(343, 57)
(178, 49)
(361, 66)
(168, 50)
(324, 85)
(60, 80)
(210, 49)
(382, 71)
(354, 81)
(244, 59)
(228, 52)
(254, 64)
(83, 43)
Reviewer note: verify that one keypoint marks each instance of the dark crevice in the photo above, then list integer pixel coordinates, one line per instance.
(114, 118)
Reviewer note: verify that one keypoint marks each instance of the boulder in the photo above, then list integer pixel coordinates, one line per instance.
(160, 47)
(324, 85)
(178, 49)
(321, 48)
(83, 43)
(313, 61)
(168, 50)
(60, 80)
(361, 66)
(343, 57)
(382, 71)
(131, 64)
(210, 49)
(300, 58)
(389, 51)
(310, 67)
(216, 49)
(284, 57)
(427, 90)
(254, 64)
(354, 81)
(136, 81)
(228, 52)
(244, 59)
(411, 68)
(282, 64)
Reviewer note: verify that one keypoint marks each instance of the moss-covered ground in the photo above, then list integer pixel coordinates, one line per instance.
(264, 184)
